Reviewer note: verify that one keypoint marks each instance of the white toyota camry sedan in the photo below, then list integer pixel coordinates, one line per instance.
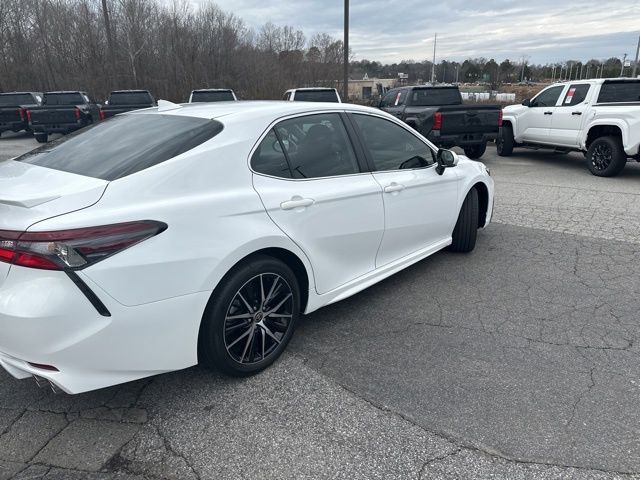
(199, 233)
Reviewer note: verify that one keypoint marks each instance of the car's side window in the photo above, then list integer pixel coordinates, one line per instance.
(575, 95)
(389, 99)
(269, 157)
(548, 98)
(317, 146)
(391, 147)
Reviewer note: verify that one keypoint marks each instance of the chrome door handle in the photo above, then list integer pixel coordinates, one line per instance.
(297, 202)
(393, 187)
(576, 113)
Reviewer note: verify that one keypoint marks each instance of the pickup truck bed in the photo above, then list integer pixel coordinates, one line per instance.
(121, 101)
(438, 114)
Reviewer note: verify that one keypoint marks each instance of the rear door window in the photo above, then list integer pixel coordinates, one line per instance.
(123, 145)
(619, 92)
(269, 158)
(317, 146)
(575, 95)
(430, 97)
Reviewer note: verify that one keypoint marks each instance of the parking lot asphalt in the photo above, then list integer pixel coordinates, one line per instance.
(517, 361)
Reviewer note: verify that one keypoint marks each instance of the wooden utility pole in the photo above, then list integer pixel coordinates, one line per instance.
(107, 27)
(345, 86)
(433, 66)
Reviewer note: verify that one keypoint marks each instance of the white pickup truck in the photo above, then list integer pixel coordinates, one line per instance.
(598, 117)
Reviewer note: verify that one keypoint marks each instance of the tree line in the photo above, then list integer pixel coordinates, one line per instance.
(170, 49)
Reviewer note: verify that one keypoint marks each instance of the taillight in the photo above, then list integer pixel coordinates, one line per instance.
(500, 118)
(437, 121)
(73, 249)
(103, 115)
(21, 113)
(77, 112)
(29, 116)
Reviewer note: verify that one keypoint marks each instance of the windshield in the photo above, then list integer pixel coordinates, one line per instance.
(619, 92)
(316, 96)
(123, 145)
(62, 99)
(222, 96)
(11, 99)
(432, 97)
(130, 98)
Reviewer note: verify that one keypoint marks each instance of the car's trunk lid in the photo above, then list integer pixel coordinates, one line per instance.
(30, 194)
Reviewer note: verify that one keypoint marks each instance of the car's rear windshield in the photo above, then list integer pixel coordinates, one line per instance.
(123, 145)
(11, 99)
(619, 92)
(130, 98)
(222, 96)
(432, 97)
(316, 96)
(62, 99)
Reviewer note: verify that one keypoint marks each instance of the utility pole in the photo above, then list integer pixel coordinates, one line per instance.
(570, 71)
(635, 65)
(107, 26)
(624, 59)
(345, 86)
(553, 73)
(457, 66)
(433, 65)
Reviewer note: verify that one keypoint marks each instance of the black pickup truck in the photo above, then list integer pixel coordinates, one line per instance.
(121, 101)
(62, 112)
(13, 109)
(437, 113)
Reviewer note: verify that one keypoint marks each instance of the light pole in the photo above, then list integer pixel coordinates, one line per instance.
(345, 86)
(624, 59)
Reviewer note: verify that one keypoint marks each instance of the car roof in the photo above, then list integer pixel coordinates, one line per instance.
(65, 91)
(130, 91)
(254, 109)
(312, 89)
(20, 93)
(212, 90)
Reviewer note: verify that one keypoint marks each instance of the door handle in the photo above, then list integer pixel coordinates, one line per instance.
(393, 187)
(548, 113)
(297, 202)
(576, 113)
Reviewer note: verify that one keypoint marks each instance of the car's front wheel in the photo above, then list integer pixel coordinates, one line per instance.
(466, 229)
(505, 141)
(250, 317)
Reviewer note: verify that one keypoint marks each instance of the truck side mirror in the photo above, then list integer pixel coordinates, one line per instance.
(527, 103)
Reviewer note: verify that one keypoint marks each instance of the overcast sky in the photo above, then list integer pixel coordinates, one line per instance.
(392, 30)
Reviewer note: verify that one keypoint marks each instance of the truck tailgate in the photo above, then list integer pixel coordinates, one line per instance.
(466, 119)
(10, 115)
(53, 116)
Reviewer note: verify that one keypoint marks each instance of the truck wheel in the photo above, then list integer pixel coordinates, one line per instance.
(41, 137)
(475, 151)
(606, 157)
(504, 142)
(466, 229)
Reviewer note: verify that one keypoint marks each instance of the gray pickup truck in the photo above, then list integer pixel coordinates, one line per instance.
(62, 112)
(437, 113)
(13, 109)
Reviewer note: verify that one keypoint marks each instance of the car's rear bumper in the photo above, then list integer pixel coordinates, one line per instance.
(57, 127)
(45, 319)
(461, 140)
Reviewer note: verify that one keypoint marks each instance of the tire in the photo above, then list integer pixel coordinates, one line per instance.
(505, 142)
(41, 137)
(475, 151)
(235, 321)
(466, 229)
(606, 157)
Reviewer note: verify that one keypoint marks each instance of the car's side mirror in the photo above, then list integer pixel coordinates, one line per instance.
(527, 103)
(445, 159)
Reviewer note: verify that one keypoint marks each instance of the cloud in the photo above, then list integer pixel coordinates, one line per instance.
(392, 30)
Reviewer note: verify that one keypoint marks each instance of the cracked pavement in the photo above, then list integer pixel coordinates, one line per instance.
(518, 361)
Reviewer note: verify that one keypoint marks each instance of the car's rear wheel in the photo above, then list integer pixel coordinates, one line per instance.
(606, 157)
(250, 318)
(475, 151)
(505, 141)
(41, 137)
(466, 229)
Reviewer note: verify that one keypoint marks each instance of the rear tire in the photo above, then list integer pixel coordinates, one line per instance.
(466, 229)
(250, 317)
(475, 151)
(606, 157)
(505, 141)
(41, 137)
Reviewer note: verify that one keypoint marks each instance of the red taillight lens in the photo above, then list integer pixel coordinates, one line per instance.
(77, 112)
(73, 249)
(437, 121)
(500, 118)
(21, 113)
(103, 115)
(29, 116)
